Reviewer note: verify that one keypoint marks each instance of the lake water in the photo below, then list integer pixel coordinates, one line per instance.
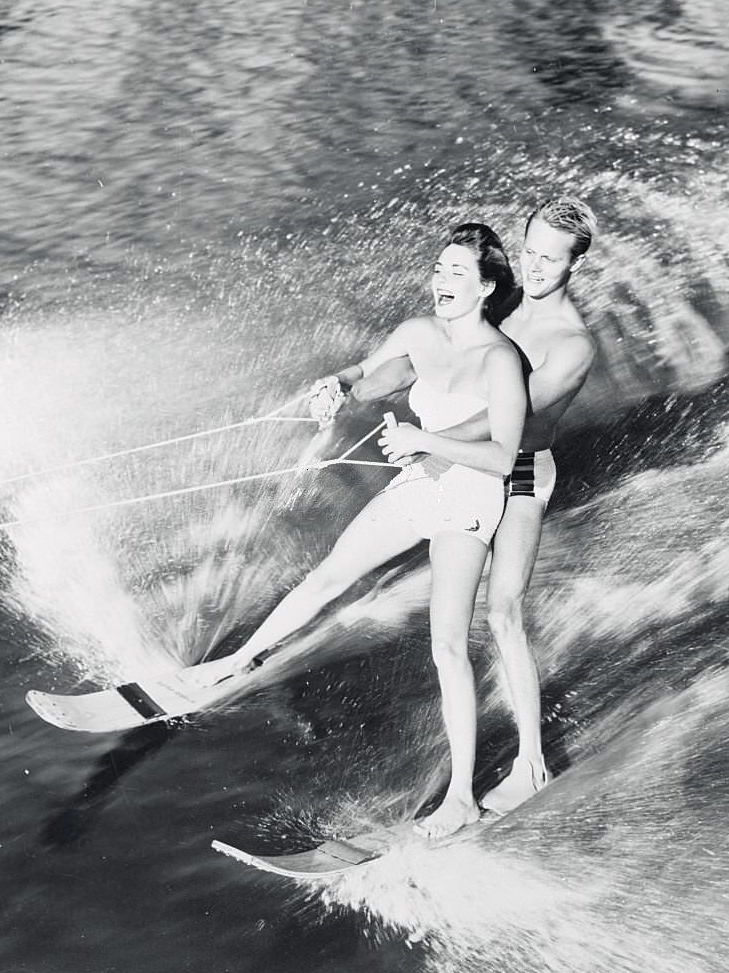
(207, 205)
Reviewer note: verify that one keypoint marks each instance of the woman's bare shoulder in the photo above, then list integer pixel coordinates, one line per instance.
(499, 353)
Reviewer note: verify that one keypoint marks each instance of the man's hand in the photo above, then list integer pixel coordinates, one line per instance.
(401, 444)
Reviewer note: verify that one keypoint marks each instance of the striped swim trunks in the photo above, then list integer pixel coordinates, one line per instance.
(534, 475)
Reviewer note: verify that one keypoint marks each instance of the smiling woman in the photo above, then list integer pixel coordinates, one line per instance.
(451, 274)
(463, 366)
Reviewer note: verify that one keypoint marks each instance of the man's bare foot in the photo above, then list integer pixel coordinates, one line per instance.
(452, 815)
(522, 782)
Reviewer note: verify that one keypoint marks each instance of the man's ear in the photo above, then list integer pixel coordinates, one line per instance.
(577, 263)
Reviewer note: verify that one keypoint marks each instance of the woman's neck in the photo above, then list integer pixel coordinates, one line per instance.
(465, 331)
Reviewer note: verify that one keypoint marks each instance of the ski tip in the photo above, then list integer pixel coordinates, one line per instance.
(42, 706)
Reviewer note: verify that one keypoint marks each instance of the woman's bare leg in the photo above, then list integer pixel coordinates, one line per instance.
(375, 536)
(457, 562)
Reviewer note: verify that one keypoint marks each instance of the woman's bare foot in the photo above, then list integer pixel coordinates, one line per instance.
(452, 815)
(208, 674)
(523, 781)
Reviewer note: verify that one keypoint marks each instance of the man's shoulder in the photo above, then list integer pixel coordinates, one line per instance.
(561, 341)
(567, 326)
(571, 339)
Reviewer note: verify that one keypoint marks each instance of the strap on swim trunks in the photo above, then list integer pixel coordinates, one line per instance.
(522, 476)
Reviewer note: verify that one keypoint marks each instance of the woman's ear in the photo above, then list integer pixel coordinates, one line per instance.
(488, 287)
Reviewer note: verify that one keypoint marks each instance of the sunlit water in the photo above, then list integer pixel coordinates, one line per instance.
(207, 205)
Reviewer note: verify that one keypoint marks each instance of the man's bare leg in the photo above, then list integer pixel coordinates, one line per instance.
(515, 549)
(457, 564)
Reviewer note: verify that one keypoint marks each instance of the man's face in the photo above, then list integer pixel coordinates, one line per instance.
(545, 259)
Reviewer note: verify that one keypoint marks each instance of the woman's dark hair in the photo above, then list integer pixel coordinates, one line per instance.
(493, 264)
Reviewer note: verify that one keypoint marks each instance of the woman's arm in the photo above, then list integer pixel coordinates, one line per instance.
(384, 371)
(507, 411)
(396, 345)
(394, 353)
(390, 377)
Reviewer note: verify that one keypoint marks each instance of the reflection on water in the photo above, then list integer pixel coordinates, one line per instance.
(163, 126)
(206, 206)
(678, 51)
(80, 813)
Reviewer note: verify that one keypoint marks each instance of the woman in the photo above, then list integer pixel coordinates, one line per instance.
(454, 497)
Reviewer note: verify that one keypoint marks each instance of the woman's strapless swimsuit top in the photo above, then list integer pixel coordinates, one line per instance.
(439, 410)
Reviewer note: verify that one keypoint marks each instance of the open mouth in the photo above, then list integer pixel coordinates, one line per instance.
(443, 298)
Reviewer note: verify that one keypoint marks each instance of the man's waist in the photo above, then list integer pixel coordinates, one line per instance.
(530, 451)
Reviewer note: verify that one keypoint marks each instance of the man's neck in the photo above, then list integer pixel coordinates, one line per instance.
(533, 309)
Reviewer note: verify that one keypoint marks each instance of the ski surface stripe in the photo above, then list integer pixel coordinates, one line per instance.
(346, 852)
(141, 701)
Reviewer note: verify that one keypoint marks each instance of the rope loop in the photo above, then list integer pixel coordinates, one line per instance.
(319, 465)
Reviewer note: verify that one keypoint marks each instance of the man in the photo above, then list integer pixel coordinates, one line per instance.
(557, 352)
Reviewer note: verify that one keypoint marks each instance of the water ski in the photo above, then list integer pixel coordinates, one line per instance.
(337, 856)
(133, 704)
(330, 858)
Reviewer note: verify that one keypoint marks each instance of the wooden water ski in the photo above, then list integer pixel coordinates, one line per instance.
(329, 858)
(134, 704)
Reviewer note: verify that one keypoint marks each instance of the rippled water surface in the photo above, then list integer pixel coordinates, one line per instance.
(205, 206)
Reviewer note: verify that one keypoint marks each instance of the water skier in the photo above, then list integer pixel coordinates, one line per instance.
(556, 351)
(462, 366)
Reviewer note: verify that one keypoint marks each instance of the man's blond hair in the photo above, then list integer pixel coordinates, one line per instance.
(571, 215)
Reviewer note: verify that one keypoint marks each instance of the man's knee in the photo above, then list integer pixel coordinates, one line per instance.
(505, 618)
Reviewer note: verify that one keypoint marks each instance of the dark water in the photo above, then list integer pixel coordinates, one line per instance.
(207, 205)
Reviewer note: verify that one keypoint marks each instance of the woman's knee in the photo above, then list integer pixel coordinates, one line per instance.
(449, 650)
(325, 582)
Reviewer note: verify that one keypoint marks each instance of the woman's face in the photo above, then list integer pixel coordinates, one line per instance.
(457, 285)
